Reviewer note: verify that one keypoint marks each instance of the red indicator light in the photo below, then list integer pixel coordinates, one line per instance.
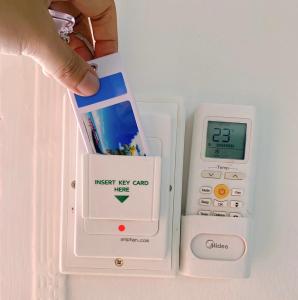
(121, 227)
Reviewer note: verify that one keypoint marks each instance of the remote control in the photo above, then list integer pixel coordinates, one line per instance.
(221, 166)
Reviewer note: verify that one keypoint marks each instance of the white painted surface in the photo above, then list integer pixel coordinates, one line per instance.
(30, 168)
(16, 177)
(242, 52)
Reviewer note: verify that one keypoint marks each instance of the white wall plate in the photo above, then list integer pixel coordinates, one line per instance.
(163, 122)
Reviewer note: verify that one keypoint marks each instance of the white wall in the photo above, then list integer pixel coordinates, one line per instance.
(16, 176)
(230, 51)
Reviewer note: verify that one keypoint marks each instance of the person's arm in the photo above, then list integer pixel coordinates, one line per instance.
(26, 28)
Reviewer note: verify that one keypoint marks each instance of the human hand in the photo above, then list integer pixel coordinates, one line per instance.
(26, 28)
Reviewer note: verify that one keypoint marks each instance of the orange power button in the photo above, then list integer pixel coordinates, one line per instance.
(221, 191)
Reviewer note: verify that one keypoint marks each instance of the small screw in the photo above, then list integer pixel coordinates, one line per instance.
(94, 66)
(170, 189)
(73, 184)
(119, 262)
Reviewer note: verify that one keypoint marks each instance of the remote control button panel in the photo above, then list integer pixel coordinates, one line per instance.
(221, 197)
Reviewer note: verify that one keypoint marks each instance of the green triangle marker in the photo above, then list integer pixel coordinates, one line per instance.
(121, 198)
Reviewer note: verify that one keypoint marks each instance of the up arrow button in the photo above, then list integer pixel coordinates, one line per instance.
(121, 198)
(234, 175)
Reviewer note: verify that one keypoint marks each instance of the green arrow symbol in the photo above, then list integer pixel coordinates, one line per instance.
(121, 198)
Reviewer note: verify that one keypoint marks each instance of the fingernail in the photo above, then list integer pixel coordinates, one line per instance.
(89, 85)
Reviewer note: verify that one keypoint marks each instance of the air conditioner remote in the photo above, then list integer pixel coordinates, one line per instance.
(220, 177)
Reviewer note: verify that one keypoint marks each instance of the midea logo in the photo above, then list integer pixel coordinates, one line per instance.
(210, 244)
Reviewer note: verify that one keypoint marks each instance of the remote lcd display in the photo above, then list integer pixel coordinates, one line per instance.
(226, 140)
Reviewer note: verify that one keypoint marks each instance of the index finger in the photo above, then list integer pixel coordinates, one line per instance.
(104, 24)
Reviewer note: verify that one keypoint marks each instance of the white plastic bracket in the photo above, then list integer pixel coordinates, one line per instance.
(214, 247)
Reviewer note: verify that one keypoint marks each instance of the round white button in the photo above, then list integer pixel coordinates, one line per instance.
(218, 246)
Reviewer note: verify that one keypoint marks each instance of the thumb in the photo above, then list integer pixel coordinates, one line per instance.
(63, 64)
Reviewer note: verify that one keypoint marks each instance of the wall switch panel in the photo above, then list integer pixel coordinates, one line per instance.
(121, 214)
(120, 197)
